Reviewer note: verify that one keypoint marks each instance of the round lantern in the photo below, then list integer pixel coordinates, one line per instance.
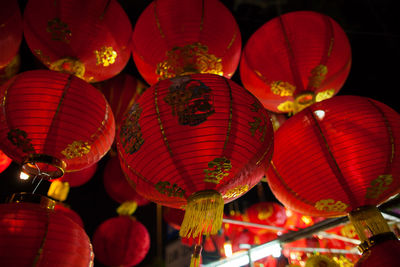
(5, 161)
(174, 38)
(53, 123)
(84, 39)
(65, 210)
(212, 140)
(121, 93)
(121, 241)
(10, 31)
(295, 60)
(33, 234)
(296, 220)
(81, 177)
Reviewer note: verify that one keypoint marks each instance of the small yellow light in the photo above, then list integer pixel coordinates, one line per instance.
(306, 219)
(23, 176)
(228, 249)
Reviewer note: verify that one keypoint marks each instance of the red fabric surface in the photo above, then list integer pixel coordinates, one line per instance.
(121, 241)
(4, 161)
(117, 186)
(385, 254)
(169, 152)
(10, 31)
(25, 227)
(80, 177)
(68, 212)
(81, 31)
(267, 213)
(173, 217)
(57, 113)
(167, 26)
(337, 155)
(286, 49)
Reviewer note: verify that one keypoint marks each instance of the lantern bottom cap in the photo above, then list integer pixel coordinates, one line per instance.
(45, 166)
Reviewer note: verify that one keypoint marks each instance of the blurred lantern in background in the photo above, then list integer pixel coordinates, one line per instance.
(340, 157)
(213, 142)
(81, 177)
(173, 217)
(33, 234)
(5, 161)
(295, 60)
(174, 38)
(52, 123)
(121, 241)
(80, 38)
(296, 220)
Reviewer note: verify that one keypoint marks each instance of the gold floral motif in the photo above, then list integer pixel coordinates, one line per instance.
(379, 185)
(59, 30)
(264, 212)
(76, 149)
(131, 134)
(318, 75)
(259, 124)
(286, 106)
(323, 95)
(105, 56)
(236, 192)
(69, 65)
(282, 88)
(166, 188)
(189, 59)
(20, 139)
(217, 170)
(348, 231)
(330, 205)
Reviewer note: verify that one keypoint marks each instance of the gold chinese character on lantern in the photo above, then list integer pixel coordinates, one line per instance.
(76, 149)
(217, 170)
(166, 188)
(59, 30)
(379, 185)
(330, 205)
(259, 123)
(282, 88)
(318, 75)
(236, 192)
(131, 133)
(105, 56)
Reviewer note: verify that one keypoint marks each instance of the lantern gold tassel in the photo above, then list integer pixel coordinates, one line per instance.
(195, 260)
(58, 190)
(127, 208)
(203, 214)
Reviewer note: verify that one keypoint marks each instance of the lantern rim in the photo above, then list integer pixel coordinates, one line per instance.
(54, 167)
(25, 197)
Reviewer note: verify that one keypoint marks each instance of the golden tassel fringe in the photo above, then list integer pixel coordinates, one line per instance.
(203, 214)
(127, 208)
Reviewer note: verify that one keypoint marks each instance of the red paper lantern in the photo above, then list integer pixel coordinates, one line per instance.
(53, 122)
(296, 220)
(337, 155)
(35, 235)
(121, 241)
(10, 31)
(81, 177)
(121, 93)
(89, 39)
(68, 212)
(267, 213)
(294, 60)
(174, 38)
(173, 217)
(5, 161)
(118, 186)
(213, 142)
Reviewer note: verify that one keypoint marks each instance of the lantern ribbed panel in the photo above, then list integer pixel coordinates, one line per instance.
(10, 31)
(337, 155)
(65, 210)
(298, 52)
(60, 115)
(81, 177)
(26, 228)
(201, 142)
(121, 241)
(5, 161)
(119, 187)
(168, 34)
(121, 93)
(87, 34)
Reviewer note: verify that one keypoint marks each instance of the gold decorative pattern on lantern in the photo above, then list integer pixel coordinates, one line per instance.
(105, 56)
(236, 192)
(343, 261)
(217, 170)
(318, 75)
(20, 139)
(264, 212)
(69, 65)
(330, 205)
(59, 30)
(378, 185)
(166, 188)
(189, 59)
(323, 95)
(286, 106)
(76, 149)
(259, 124)
(348, 231)
(8, 71)
(131, 134)
(282, 88)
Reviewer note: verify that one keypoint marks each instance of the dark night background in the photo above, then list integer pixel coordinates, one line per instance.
(372, 28)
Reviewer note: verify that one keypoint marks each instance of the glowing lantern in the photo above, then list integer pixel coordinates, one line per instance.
(33, 234)
(339, 157)
(121, 241)
(174, 38)
(52, 123)
(213, 141)
(296, 220)
(294, 60)
(5, 161)
(84, 39)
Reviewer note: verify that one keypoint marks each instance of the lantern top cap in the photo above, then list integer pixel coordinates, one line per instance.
(45, 166)
(24, 197)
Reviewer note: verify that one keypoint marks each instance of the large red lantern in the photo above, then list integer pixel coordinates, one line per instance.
(212, 140)
(174, 38)
(81, 38)
(294, 60)
(121, 241)
(65, 210)
(5, 161)
(33, 234)
(10, 31)
(384, 252)
(53, 122)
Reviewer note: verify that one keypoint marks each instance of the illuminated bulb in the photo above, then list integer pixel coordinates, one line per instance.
(289, 213)
(23, 176)
(320, 114)
(306, 219)
(228, 249)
